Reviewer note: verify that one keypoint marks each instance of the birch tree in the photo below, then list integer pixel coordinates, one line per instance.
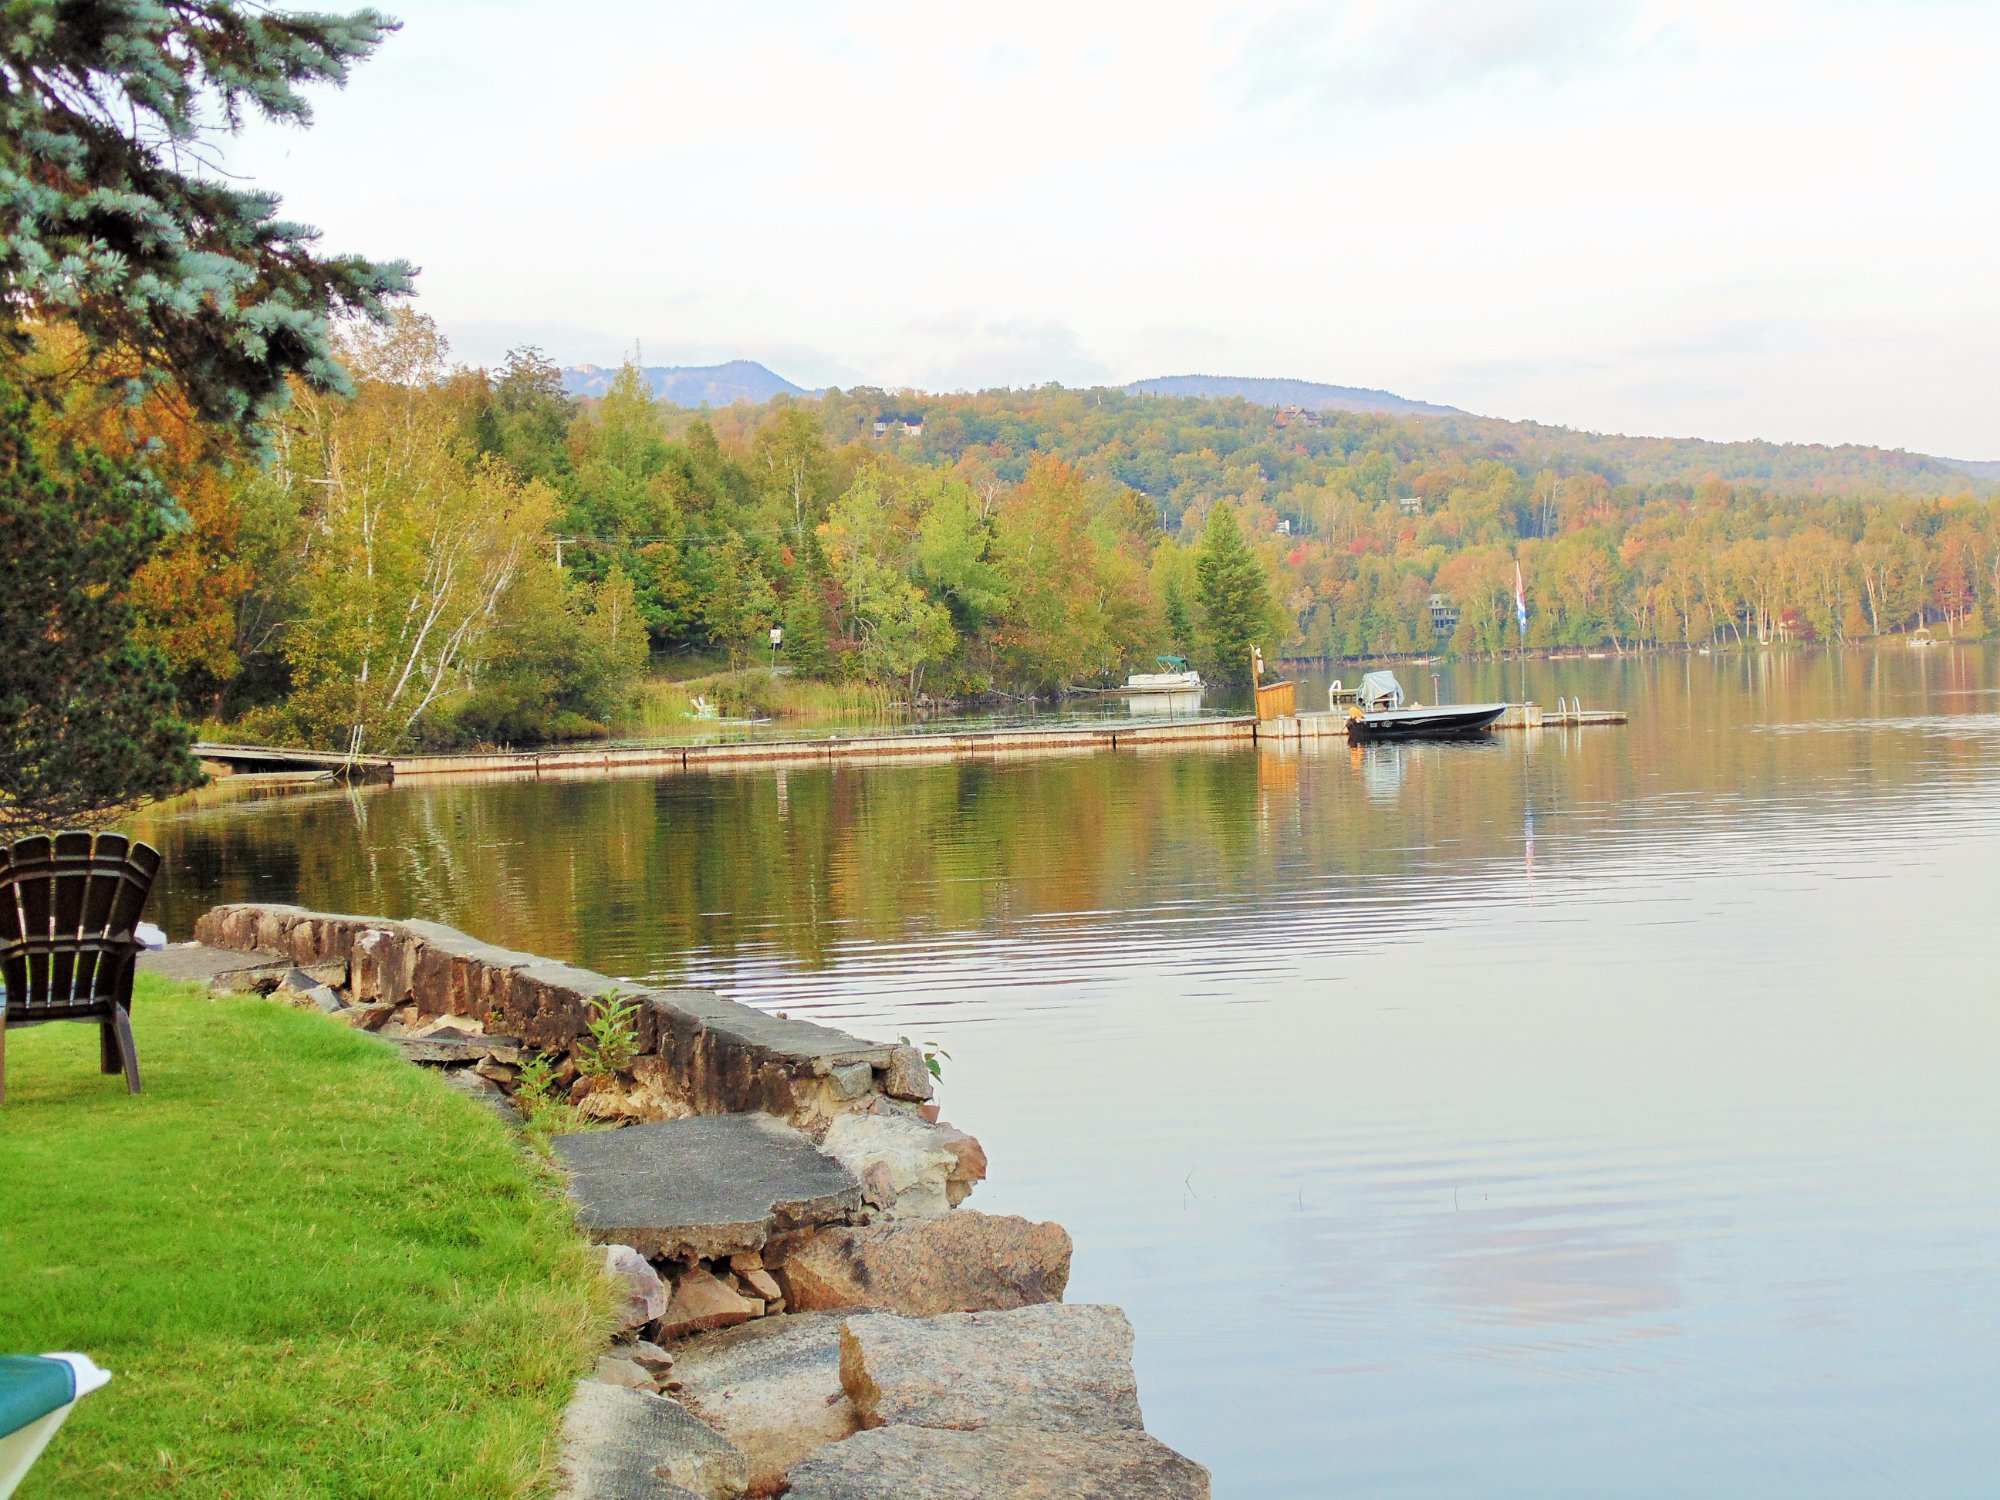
(412, 546)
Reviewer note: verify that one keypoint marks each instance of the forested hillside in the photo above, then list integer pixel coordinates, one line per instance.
(454, 555)
(1308, 394)
(689, 385)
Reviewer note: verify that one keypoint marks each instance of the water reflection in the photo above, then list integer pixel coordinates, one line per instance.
(1596, 1112)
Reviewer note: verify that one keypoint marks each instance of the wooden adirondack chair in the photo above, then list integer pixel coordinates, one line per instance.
(68, 907)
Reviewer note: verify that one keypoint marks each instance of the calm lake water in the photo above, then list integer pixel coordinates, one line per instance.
(1610, 1113)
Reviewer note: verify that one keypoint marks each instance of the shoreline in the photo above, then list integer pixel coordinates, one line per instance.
(802, 1300)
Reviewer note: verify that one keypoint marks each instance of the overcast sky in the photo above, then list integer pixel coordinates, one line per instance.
(1746, 218)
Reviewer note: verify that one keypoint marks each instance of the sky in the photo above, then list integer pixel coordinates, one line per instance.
(1741, 219)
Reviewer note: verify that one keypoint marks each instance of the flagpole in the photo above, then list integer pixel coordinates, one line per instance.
(1521, 616)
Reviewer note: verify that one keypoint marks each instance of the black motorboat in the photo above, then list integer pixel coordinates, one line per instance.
(1379, 714)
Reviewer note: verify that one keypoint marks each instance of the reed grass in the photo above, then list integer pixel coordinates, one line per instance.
(664, 707)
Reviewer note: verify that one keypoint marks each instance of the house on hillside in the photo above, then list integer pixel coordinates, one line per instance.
(1444, 616)
(1410, 505)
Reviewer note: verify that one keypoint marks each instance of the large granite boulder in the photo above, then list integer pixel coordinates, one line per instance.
(1056, 1368)
(997, 1463)
(906, 1166)
(963, 1262)
(772, 1388)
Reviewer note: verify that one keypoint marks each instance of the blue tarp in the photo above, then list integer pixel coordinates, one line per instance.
(31, 1388)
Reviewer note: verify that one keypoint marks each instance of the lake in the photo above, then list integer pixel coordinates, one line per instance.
(1603, 1112)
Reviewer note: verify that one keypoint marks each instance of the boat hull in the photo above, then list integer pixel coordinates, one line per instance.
(1141, 684)
(1450, 722)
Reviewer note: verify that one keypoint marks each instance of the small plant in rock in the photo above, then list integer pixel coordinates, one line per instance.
(535, 1085)
(614, 1037)
(540, 1099)
(932, 1053)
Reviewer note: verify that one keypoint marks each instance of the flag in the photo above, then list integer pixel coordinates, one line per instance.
(1520, 600)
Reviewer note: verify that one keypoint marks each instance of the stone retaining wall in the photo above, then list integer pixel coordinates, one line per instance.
(802, 1306)
(698, 1052)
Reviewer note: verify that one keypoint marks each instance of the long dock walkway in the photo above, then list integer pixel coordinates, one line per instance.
(974, 744)
(965, 744)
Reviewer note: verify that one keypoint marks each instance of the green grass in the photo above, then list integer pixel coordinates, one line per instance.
(312, 1268)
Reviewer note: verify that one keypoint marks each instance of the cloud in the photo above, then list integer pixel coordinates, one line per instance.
(1386, 54)
(957, 351)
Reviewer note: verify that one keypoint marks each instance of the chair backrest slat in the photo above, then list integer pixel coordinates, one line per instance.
(68, 907)
(69, 875)
(107, 877)
(137, 869)
(33, 860)
(13, 961)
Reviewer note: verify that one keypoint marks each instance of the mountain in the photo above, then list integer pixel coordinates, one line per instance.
(1979, 468)
(1307, 393)
(691, 385)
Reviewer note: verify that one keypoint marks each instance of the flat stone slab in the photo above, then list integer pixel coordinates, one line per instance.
(772, 1388)
(197, 963)
(623, 1444)
(998, 1463)
(707, 1186)
(1061, 1367)
(448, 1048)
(963, 1261)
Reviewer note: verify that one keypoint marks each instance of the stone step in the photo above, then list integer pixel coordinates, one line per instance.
(622, 1444)
(963, 1261)
(997, 1463)
(771, 1387)
(1059, 1367)
(708, 1186)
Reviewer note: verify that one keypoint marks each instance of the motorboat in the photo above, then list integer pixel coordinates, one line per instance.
(1176, 689)
(1379, 714)
(1921, 638)
(1177, 680)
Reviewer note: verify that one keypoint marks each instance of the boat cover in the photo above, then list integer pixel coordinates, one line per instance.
(1379, 690)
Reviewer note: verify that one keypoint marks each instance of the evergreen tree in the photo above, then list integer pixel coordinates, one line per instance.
(86, 717)
(806, 645)
(108, 223)
(111, 225)
(1233, 595)
(526, 420)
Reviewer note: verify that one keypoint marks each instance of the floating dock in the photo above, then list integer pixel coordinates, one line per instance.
(1016, 743)
(272, 760)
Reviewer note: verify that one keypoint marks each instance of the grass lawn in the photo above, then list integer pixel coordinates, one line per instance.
(311, 1268)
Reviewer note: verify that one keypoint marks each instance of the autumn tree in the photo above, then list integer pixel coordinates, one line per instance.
(869, 538)
(416, 545)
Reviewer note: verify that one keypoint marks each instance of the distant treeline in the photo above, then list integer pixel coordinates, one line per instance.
(454, 555)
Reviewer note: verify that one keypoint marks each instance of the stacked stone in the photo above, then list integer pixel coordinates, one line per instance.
(765, 1167)
(697, 1053)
